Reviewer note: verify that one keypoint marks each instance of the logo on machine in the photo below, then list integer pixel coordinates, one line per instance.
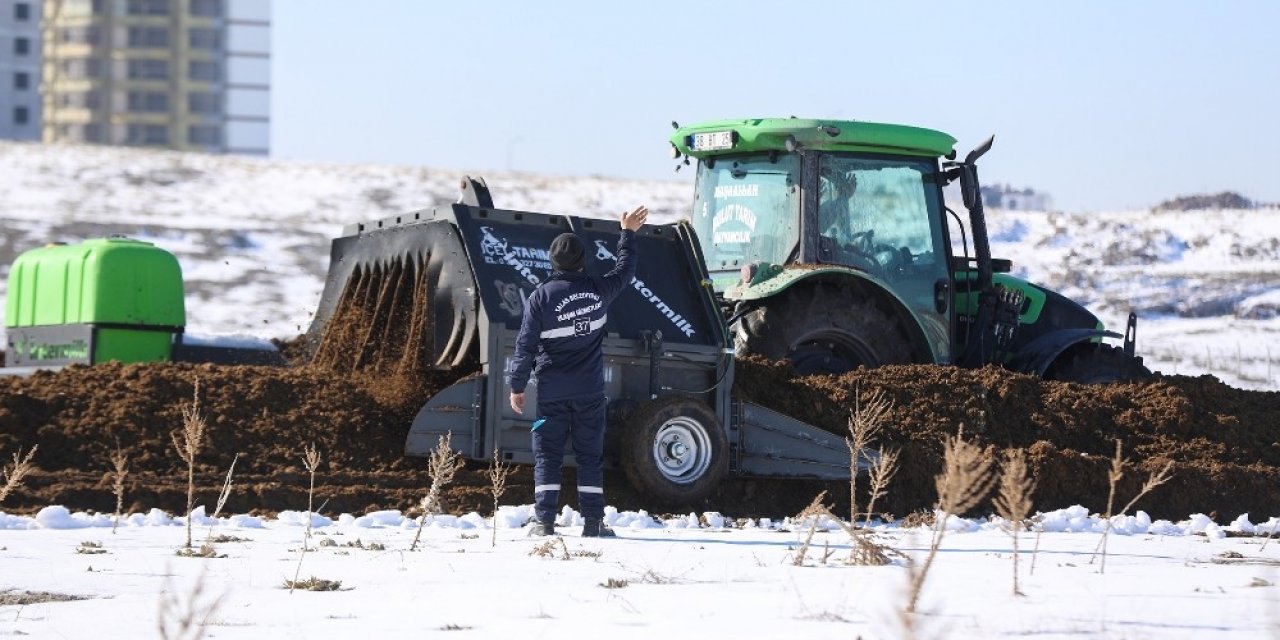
(603, 253)
(497, 250)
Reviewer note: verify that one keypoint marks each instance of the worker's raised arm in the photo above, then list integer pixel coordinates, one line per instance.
(622, 274)
(526, 346)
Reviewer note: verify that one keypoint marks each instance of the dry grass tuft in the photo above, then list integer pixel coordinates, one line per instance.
(13, 475)
(90, 548)
(442, 466)
(865, 424)
(313, 584)
(9, 598)
(1013, 502)
(967, 477)
(188, 443)
(498, 474)
(205, 550)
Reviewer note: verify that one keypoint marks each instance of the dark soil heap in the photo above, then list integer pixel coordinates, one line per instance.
(1223, 441)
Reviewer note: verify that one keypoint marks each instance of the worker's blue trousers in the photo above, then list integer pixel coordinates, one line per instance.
(581, 419)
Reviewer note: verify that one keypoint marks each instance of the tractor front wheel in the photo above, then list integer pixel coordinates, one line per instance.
(1097, 364)
(824, 328)
(675, 450)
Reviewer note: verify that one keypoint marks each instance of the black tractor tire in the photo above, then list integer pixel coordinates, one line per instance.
(824, 328)
(1097, 364)
(675, 450)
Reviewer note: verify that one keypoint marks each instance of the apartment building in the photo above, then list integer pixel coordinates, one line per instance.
(20, 69)
(178, 74)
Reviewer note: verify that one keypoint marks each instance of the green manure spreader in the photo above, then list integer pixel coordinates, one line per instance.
(825, 243)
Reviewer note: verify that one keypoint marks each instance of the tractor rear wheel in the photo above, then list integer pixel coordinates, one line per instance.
(824, 328)
(675, 450)
(1097, 364)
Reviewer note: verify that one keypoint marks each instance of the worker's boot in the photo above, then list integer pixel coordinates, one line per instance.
(538, 528)
(594, 528)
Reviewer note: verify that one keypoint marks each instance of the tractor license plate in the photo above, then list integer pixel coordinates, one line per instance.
(712, 141)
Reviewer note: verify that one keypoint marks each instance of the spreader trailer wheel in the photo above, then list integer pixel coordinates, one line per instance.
(675, 450)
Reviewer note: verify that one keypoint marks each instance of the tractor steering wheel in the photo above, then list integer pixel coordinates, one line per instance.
(878, 258)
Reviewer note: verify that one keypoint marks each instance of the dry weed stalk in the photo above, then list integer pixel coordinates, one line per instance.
(443, 464)
(497, 486)
(881, 473)
(1114, 476)
(865, 551)
(186, 616)
(188, 447)
(310, 460)
(13, 475)
(813, 513)
(967, 477)
(1013, 501)
(120, 471)
(864, 427)
(222, 501)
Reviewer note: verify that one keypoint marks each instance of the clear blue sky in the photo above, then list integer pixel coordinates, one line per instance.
(1101, 104)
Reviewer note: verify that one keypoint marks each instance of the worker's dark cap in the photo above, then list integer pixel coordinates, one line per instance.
(566, 252)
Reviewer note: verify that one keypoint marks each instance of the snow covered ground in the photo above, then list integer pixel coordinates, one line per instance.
(253, 235)
(686, 577)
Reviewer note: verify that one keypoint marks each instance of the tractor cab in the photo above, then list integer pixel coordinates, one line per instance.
(829, 245)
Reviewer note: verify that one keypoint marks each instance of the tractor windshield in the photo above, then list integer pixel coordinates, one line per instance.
(746, 208)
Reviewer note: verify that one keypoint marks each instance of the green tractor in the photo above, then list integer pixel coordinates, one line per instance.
(829, 244)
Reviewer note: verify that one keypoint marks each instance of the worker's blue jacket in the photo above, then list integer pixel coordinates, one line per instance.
(563, 329)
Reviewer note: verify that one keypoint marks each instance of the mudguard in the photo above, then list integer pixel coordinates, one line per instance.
(1037, 355)
(777, 279)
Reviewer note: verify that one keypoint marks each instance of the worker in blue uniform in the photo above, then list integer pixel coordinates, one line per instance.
(560, 345)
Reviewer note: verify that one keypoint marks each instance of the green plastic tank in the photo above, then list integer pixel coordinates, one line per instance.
(102, 299)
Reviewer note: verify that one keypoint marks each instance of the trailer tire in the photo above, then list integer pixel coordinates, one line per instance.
(1097, 364)
(675, 450)
(824, 328)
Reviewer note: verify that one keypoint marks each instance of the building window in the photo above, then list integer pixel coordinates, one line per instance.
(147, 7)
(204, 39)
(79, 35)
(147, 134)
(80, 100)
(148, 69)
(92, 132)
(209, 8)
(148, 37)
(204, 71)
(205, 135)
(80, 68)
(148, 101)
(21, 11)
(21, 80)
(203, 102)
(21, 115)
(21, 46)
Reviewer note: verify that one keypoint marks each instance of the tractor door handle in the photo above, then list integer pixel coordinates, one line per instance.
(942, 295)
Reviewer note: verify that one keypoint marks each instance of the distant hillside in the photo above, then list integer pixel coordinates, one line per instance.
(1201, 201)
